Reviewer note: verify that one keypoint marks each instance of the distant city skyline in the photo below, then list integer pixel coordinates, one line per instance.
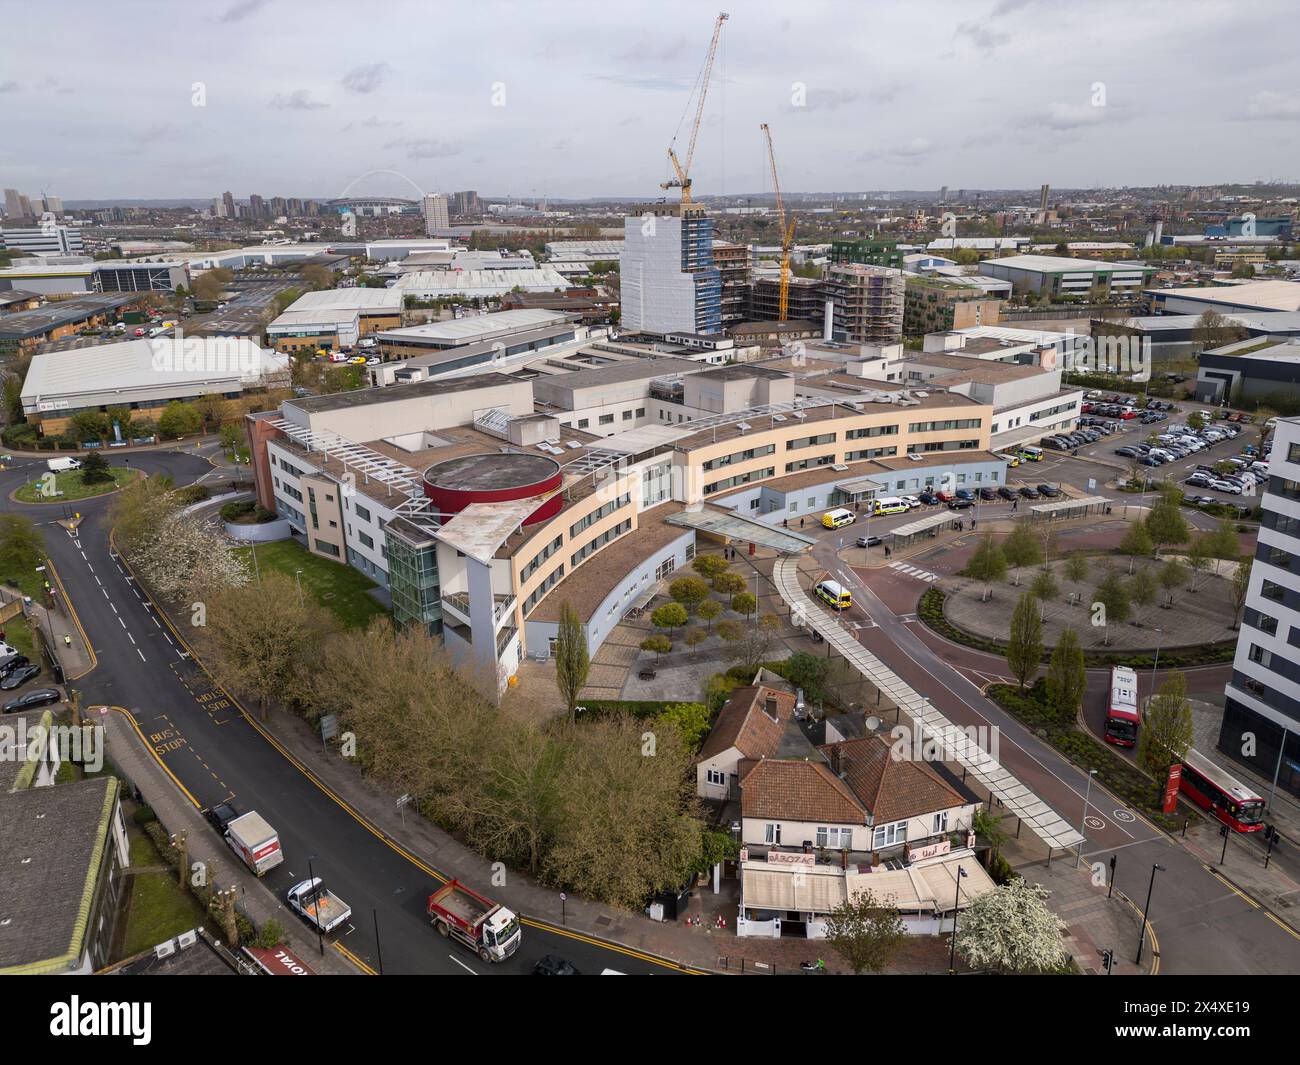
(580, 100)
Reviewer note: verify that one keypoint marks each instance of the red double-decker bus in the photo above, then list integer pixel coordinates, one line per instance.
(1122, 718)
(1218, 791)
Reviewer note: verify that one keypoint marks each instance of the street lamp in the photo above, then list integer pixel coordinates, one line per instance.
(1083, 822)
(1156, 662)
(297, 576)
(952, 950)
(1142, 935)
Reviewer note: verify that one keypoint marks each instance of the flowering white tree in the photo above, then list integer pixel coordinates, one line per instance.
(184, 556)
(1011, 928)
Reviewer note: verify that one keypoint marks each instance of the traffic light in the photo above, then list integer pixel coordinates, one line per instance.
(1107, 961)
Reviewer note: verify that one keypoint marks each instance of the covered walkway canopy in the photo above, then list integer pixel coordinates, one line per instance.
(907, 534)
(862, 488)
(1069, 508)
(735, 527)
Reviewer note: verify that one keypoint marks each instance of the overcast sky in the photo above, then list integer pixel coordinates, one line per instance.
(304, 99)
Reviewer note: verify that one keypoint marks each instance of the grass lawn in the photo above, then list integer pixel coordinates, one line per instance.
(18, 634)
(69, 486)
(160, 909)
(336, 586)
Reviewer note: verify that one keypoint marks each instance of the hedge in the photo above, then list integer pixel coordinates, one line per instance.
(645, 709)
(931, 612)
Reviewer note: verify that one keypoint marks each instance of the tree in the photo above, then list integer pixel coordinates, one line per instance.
(1076, 568)
(1212, 330)
(1198, 558)
(1172, 576)
(865, 933)
(1025, 640)
(184, 559)
(1066, 678)
(744, 603)
(88, 425)
(728, 584)
(260, 640)
(755, 644)
(731, 631)
(1223, 542)
(1165, 522)
(572, 660)
(694, 636)
(318, 275)
(1044, 587)
(807, 672)
(94, 470)
(1011, 928)
(987, 564)
(709, 566)
(1166, 732)
(691, 720)
(1137, 543)
(707, 611)
(660, 645)
(1196, 421)
(1240, 586)
(689, 591)
(669, 616)
(22, 548)
(1112, 595)
(1021, 548)
(179, 419)
(1142, 588)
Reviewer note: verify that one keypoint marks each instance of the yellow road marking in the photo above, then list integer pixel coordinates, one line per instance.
(631, 952)
(72, 610)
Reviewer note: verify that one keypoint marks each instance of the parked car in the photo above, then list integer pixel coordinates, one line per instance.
(944, 496)
(929, 498)
(1049, 490)
(29, 700)
(554, 965)
(1231, 487)
(960, 504)
(965, 493)
(987, 493)
(1127, 452)
(1029, 492)
(220, 816)
(1006, 493)
(1147, 460)
(20, 676)
(12, 662)
(911, 501)
(869, 541)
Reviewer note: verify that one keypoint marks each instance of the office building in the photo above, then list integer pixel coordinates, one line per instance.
(1261, 716)
(42, 240)
(870, 252)
(932, 304)
(335, 319)
(669, 283)
(13, 204)
(465, 204)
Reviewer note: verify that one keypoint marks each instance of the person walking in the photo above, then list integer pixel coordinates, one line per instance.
(1014, 503)
(886, 550)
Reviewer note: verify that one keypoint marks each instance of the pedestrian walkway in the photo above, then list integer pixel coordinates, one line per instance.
(914, 571)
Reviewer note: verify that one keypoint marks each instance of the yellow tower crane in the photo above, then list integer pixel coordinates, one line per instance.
(683, 170)
(787, 231)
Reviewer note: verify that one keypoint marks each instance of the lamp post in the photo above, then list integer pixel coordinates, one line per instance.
(952, 949)
(297, 576)
(1083, 821)
(1142, 935)
(1155, 663)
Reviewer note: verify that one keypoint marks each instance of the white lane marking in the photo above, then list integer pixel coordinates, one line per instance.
(121, 622)
(114, 607)
(462, 965)
(141, 654)
(155, 621)
(130, 637)
(99, 582)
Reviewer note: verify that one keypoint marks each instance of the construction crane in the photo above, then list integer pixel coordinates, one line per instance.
(683, 170)
(787, 231)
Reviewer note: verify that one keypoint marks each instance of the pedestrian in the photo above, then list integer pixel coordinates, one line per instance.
(785, 523)
(801, 523)
(886, 550)
(972, 524)
(1015, 503)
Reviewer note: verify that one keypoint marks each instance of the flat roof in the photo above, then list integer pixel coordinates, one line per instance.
(347, 299)
(365, 397)
(23, 325)
(1056, 264)
(491, 471)
(743, 372)
(481, 528)
(473, 328)
(1264, 295)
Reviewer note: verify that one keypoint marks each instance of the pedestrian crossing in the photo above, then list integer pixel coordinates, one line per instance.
(914, 571)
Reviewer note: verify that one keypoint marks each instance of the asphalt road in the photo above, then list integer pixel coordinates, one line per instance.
(217, 754)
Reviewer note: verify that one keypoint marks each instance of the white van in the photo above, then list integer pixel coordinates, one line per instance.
(62, 465)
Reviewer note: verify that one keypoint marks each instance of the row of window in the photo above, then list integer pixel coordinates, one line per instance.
(951, 423)
(875, 430)
(809, 441)
(832, 837)
(738, 456)
(600, 541)
(743, 478)
(541, 556)
(803, 464)
(871, 453)
(550, 582)
(596, 515)
(608, 419)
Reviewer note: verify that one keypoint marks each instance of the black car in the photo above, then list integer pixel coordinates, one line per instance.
(987, 493)
(33, 698)
(1049, 491)
(869, 541)
(1128, 452)
(20, 676)
(960, 504)
(1006, 493)
(553, 965)
(928, 498)
(1057, 443)
(1029, 492)
(11, 663)
(221, 815)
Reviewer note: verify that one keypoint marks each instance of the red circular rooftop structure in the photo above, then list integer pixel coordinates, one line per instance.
(495, 477)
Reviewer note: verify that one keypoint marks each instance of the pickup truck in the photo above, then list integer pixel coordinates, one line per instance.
(317, 905)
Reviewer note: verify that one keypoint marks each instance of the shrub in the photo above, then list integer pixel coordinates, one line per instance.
(144, 816)
(270, 935)
(193, 493)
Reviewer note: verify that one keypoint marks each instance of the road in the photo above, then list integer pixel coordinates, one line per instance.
(217, 753)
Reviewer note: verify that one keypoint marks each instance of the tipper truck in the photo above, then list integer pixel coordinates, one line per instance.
(317, 905)
(255, 841)
(486, 927)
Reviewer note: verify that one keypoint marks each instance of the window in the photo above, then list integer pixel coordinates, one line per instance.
(738, 456)
(772, 835)
(1260, 655)
(362, 512)
(875, 430)
(640, 412)
(607, 419)
(809, 441)
(1273, 591)
(952, 423)
(540, 557)
(627, 415)
(327, 548)
(664, 568)
(889, 835)
(366, 540)
(583, 423)
(596, 515)
(940, 823)
(715, 777)
(835, 838)
(1266, 624)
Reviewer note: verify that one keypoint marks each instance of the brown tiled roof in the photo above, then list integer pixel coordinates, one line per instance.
(798, 791)
(743, 723)
(891, 788)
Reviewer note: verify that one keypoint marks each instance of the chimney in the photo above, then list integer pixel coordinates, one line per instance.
(835, 760)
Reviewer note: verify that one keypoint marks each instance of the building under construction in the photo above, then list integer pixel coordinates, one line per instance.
(869, 302)
(807, 300)
(735, 265)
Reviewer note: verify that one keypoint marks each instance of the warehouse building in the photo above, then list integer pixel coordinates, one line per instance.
(25, 331)
(428, 285)
(335, 319)
(1250, 297)
(1056, 276)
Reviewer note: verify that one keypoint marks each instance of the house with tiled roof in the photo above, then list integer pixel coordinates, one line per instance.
(856, 797)
(754, 725)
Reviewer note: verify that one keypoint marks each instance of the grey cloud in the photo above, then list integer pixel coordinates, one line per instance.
(366, 79)
(1274, 105)
(8, 86)
(241, 11)
(1059, 116)
(424, 148)
(298, 100)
